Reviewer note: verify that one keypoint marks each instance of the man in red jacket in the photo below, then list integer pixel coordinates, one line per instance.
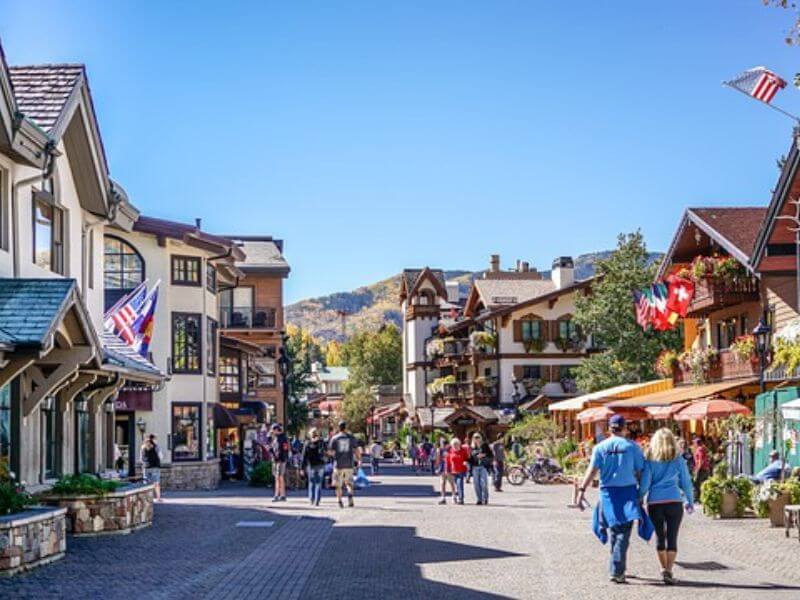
(456, 465)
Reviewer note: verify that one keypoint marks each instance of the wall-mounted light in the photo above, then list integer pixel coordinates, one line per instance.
(108, 407)
(141, 425)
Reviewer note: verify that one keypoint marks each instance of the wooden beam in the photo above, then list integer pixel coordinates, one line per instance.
(73, 389)
(99, 398)
(14, 367)
(77, 357)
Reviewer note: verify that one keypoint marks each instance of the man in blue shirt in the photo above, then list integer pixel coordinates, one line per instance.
(619, 462)
(773, 471)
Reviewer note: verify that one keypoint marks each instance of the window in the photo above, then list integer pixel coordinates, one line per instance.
(236, 307)
(532, 372)
(567, 330)
(185, 431)
(50, 438)
(186, 270)
(531, 330)
(211, 278)
(83, 443)
(48, 236)
(123, 269)
(263, 372)
(211, 345)
(211, 445)
(5, 425)
(186, 346)
(229, 374)
(3, 210)
(90, 259)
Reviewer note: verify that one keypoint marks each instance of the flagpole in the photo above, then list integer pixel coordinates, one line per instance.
(125, 298)
(780, 110)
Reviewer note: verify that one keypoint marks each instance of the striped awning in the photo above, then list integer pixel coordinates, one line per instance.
(684, 393)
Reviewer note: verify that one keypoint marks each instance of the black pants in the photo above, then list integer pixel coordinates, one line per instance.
(667, 520)
(497, 475)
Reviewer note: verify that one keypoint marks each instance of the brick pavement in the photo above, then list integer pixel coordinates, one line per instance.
(398, 543)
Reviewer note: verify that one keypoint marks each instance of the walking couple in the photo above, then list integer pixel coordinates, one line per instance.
(627, 477)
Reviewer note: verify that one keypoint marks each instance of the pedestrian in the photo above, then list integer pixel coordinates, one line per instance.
(151, 456)
(280, 456)
(445, 474)
(375, 453)
(422, 458)
(664, 477)
(346, 453)
(457, 460)
(499, 452)
(702, 464)
(314, 453)
(774, 471)
(481, 460)
(619, 462)
(687, 454)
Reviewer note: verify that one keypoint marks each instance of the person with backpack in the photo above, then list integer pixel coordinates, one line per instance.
(314, 453)
(151, 461)
(346, 452)
(280, 457)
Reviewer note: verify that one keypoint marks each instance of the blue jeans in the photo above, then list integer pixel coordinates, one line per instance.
(459, 479)
(480, 480)
(315, 476)
(619, 539)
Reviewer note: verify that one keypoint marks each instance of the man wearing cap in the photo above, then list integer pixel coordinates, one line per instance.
(773, 471)
(280, 456)
(619, 462)
(346, 452)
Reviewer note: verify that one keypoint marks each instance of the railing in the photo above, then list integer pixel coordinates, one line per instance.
(483, 391)
(247, 317)
(727, 366)
(712, 294)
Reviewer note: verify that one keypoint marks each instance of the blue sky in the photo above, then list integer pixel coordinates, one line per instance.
(373, 136)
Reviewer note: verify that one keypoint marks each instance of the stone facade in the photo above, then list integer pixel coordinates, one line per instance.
(122, 511)
(191, 476)
(31, 538)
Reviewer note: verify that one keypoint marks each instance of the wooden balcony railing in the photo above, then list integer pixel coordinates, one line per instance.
(713, 294)
(727, 366)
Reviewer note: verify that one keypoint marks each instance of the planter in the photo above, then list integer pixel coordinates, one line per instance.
(122, 511)
(31, 538)
(776, 516)
(727, 508)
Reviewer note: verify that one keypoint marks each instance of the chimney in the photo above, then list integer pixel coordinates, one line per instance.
(519, 266)
(198, 223)
(494, 263)
(526, 266)
(452, 291)
(563, 272)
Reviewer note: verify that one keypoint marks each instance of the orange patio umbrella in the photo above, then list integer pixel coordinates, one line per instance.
(664, 412)
(716, 408)
(603, 413)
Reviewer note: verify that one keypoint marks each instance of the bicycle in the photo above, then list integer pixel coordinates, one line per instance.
(540, 472)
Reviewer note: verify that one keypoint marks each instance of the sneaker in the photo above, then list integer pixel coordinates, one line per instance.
(283, 498)
(618, 579)
(316, 503)
(276, 499)
(350, 501)
(443, 501)
(341, 504)
(478, 503)
(668, 578)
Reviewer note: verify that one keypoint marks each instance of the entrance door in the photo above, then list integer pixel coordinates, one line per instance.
(125, 440)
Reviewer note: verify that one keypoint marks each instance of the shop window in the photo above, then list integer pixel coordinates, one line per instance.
(48, 236)
(50, 438)
(83, 439)
(186, 432)
(186, 345)
(229, 374)
(5, 425)
(263, 370)
(123, 269)
(186, 270)
(211, 346)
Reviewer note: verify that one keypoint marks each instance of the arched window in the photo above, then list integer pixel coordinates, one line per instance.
(123, 269)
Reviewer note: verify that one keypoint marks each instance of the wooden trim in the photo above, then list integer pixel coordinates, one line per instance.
(186, 282)
(542, 355)
(77, 357)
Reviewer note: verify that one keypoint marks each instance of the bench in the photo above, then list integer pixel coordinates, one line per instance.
(791, 518)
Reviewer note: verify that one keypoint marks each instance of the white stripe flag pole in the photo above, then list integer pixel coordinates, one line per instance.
(760, 84)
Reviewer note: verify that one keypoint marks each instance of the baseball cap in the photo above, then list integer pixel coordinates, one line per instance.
(616, 421)
(276, 426)
(342, 424)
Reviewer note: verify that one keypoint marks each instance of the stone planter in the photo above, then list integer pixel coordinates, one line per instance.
(727, 508)
(31, 538)
(125, 510)
(776, 507)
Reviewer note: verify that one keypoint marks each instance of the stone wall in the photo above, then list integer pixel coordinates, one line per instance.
(31, 538)
(191, 476)
(123, 511)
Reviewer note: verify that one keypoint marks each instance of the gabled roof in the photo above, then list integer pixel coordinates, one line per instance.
(43, 91)
(551, 295)
(333, 373)
(732, 228)
(411, 279)
(32, 309)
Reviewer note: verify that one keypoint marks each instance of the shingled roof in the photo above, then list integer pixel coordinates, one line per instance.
(117, 353)
(409, 278)
(498, 292)
(738, 225)
(30, 308)
(42, 91)
(262, 254)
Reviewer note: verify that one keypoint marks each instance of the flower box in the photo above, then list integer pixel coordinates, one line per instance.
(122, 511)
(31, 538)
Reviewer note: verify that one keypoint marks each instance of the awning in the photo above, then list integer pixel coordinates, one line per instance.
(259, 408)
(711, 409)
(664, 412)
(791, 410)
(386, 411)
(330, 406)
(620, 391)
(684, 393)
(224, 418)
(603, 413)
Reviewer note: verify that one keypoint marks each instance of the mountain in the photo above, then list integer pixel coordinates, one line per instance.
(371, 306)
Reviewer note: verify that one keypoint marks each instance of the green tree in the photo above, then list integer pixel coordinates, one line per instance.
(356, 407)
(301, 351)
(608, 314)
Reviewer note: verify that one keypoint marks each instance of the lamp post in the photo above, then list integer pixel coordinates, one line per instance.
(285, 367)
(761, 334)
(432, 408)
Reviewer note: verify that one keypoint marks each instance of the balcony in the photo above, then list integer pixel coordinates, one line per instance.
(714, 294)
(726, 366)
(482, 391)
(458, 352)
(247, 317)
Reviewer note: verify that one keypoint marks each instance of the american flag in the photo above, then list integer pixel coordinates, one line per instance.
(760, 83)
(121, 317)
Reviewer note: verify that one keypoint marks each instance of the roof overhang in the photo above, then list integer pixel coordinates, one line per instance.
(555, 294)
(232, 343)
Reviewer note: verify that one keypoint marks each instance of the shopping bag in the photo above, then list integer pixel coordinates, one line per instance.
(361, 480)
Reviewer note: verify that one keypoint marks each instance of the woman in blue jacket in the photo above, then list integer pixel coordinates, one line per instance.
(668, 487)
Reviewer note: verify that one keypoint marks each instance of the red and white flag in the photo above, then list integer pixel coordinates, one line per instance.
(760, 83)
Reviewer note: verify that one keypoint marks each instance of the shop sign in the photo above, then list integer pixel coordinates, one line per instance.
(134, 399)
(465, 421)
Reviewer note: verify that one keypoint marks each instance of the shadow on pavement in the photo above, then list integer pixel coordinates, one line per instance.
(716, 584)
(702, 566)
(384, 562)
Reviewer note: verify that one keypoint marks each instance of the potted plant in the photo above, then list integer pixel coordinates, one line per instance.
(483, 340)
(435, 347)
(743, 348)
(666, 363)
(534, 345)
(436, 386)
(771, 497)
(725, 497)
(698, 362)
(13, 497)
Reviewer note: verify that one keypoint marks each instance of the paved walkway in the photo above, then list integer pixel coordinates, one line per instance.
(398, 543)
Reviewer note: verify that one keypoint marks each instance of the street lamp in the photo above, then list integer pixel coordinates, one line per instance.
(761, 335)
(433, 408)
(285, 368)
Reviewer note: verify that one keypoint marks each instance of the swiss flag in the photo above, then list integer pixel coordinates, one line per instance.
(681, 292)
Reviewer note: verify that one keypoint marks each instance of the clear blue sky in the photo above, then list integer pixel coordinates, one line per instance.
(373, 136)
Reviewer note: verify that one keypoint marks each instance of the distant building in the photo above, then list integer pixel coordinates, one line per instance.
(324, 401)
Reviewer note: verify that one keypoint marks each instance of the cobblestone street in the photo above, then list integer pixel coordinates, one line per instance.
(398, 543)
